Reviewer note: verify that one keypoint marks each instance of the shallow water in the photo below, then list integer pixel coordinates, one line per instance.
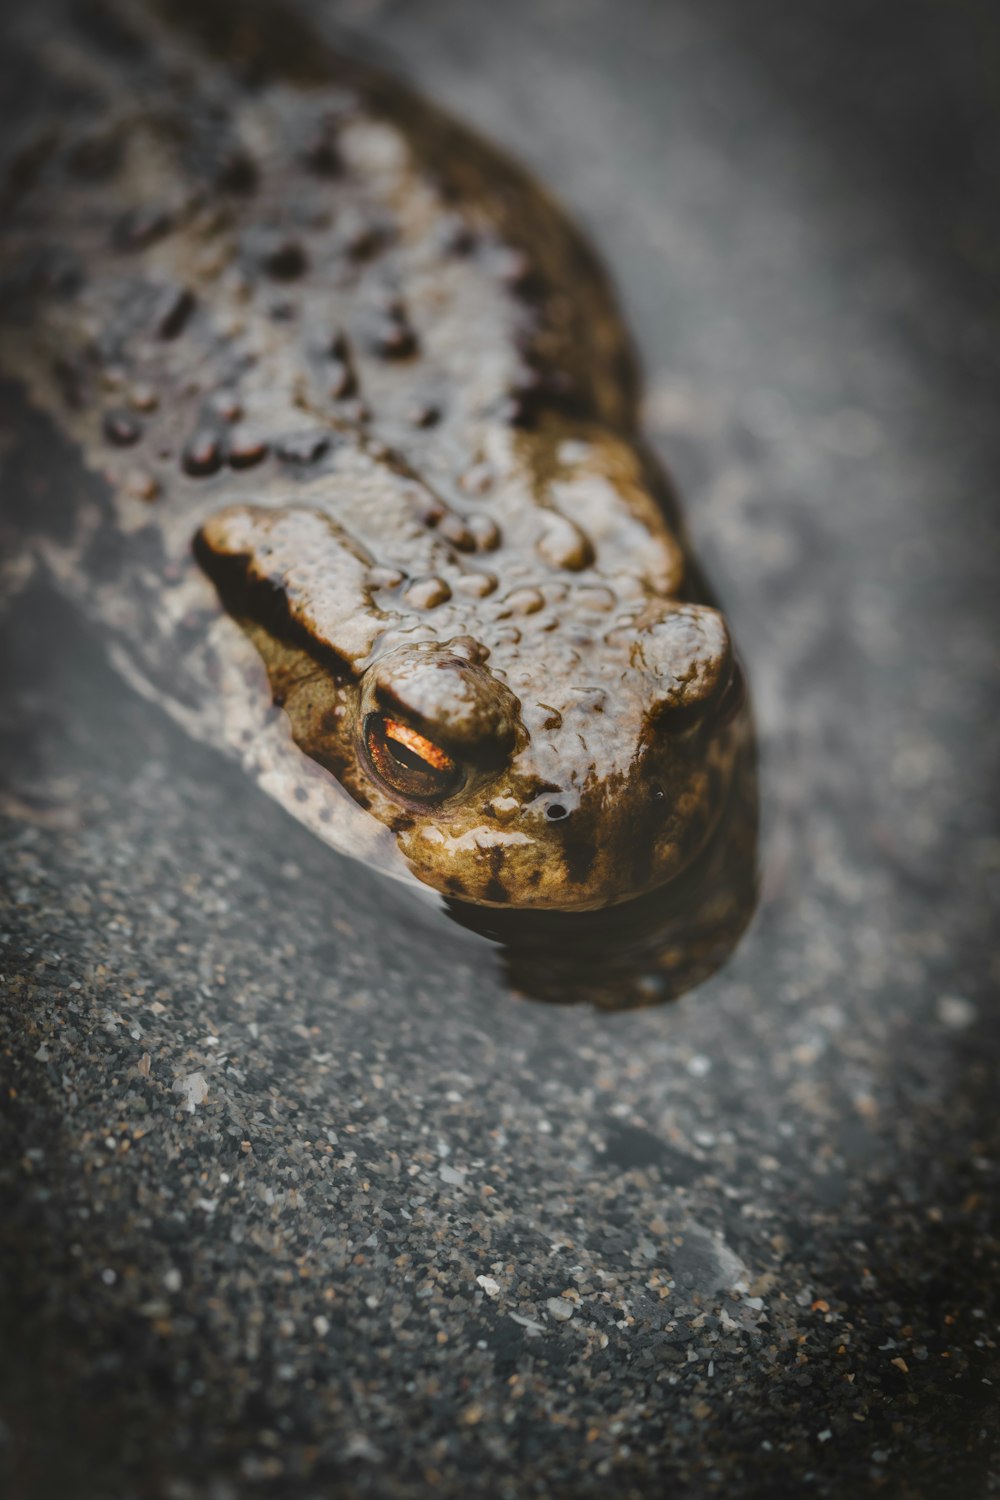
(297, 1192)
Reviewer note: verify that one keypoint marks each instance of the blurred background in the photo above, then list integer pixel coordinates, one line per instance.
(295, 1194)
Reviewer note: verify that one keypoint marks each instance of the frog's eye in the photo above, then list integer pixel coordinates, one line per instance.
(407, 761)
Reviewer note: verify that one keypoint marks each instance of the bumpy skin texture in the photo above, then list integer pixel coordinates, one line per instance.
(291, 313)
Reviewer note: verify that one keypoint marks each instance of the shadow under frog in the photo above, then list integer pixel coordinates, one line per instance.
(368, 365)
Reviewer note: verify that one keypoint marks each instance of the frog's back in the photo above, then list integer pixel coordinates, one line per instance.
(295, 236)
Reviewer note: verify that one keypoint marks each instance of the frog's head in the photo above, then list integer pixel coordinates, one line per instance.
(561, 746)
(578, 801)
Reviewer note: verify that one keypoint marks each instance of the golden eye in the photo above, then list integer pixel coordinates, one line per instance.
(407, 761)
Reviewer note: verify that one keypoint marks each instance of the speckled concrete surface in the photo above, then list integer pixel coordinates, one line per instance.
(296, 1199)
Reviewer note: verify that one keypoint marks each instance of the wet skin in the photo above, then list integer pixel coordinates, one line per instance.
(294, 315)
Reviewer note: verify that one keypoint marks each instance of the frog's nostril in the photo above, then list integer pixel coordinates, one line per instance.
(555, 811)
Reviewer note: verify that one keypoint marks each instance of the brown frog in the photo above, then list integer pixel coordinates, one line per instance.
(297, 318)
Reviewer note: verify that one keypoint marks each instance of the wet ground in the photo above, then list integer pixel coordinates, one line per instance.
(297, 1198)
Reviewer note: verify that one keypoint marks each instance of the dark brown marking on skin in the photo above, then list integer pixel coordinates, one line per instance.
(176, 306)
(542, 392)
(246, 448)
(394, 338)
(144, 397)
(427, 593)
(285, 261)
(385, 578)
(496, 891)
(339, 372)
(525, 601)
(321, 154)
(141, 227)
(455, 531)
(733, 698)
(122, 428)
(477, 480)
(429, 509)
(366, 240)
(455, 237)
(484, 530)
(302, 447)
(641, 851)
(258, 601)
(427, 415)
(578, 835)
(342, 381)
(96, 157)
(139, 485)
(563, 544)
(24, 170)
(202, 454)
(520, 274)
(339, 348)
(475, 584)
(237, 173)
(70, 382)
(356, 412)
(225, 405)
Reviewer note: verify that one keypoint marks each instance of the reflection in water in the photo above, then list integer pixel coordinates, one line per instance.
(647, 951)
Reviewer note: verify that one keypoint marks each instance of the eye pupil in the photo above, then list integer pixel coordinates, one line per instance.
(407, 741)
(406, 760)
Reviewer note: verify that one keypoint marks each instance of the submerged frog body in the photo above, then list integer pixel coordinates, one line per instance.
(334, 358)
